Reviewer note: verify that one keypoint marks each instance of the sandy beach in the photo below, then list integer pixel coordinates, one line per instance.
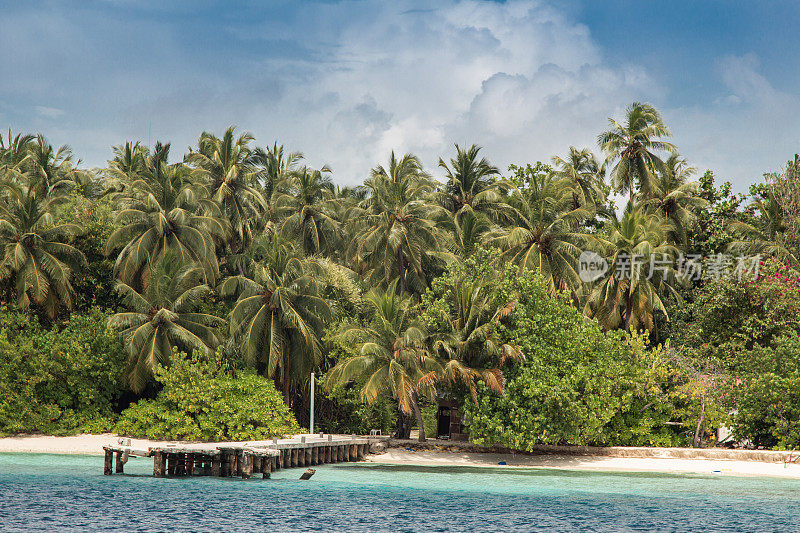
(656, 461)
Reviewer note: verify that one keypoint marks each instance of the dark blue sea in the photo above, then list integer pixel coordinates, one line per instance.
(69, 493)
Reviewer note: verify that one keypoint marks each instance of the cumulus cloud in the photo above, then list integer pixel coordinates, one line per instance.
(347, 82)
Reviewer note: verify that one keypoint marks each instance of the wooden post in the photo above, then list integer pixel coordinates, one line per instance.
(233, 464)
(189, 464)
(216, 465)
(118, 467)
(109, 460)
(360, 452)
(287, 458)
(315, 455)
(180, 469)
(353, 453)
(295, 458)
(266, 467)
(246, 464)
(158, 464)
(309, 456)
(257, 466)
(171, 463)
(328, 457)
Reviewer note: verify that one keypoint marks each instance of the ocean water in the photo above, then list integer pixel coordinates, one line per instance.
(70, 493)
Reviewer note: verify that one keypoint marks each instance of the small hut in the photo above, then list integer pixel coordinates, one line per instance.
(450, 423)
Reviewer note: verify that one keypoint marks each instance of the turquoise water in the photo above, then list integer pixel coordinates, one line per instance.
(69, 493)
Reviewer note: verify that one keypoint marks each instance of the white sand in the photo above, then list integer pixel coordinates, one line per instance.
(595, 463)
(93, 445)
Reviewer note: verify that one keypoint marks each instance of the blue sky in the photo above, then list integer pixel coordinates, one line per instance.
(346, 82)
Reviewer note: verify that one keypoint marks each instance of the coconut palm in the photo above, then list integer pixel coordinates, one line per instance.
(279, 315)
(225, 166)
(391, 354)
(676, 198)
(304, 208)
(471, 184)
(127, 165)
(764, 234)
(36, 257)
(47, 165)
(581, 173)
(161, 211)
(163, 317)
(470, 231)
(632, 148)
(397, 228)
(274, 165)
(14, 151)
(642, 270)
(542, 234)
(466, 344)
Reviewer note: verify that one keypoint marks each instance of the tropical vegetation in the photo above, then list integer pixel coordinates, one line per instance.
(215, 282)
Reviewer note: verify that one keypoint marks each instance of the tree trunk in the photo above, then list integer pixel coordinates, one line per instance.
(401, 270)
(403, 426)
(418, 415)
(697, 441)
(285, 376)
(628, 310)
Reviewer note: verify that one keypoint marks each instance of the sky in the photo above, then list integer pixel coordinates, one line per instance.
(347, 82)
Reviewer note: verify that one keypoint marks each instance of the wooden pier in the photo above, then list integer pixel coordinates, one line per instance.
(243, 460)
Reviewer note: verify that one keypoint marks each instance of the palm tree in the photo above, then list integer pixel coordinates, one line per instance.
(632, 148)
(470, 231)
(676, 198)
(161, 211)
(581, 173)
(14, 151)
(642, 263)
(542, 235)
(466, 344)
(163, 317)
(36, 257)
(391, 355)
(304, 206)
(765, 234)
(397, 228)
(49, 166)
(279, 315)
(275, 166)
(128, 164)
(229, 173)
(471, 183)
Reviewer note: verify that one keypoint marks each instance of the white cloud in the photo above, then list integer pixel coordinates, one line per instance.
(347, 82)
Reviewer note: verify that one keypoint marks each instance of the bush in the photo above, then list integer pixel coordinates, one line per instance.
(200, 401)
(578, 384)
(62, 381)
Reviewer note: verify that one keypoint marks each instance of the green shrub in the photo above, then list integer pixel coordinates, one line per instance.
(60, 381)
(578, 385)
(200, 401)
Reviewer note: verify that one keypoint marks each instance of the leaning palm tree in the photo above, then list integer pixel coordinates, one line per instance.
(675, 198)
(163, 317)
(279, 315)
(465, 342)
(391, 356)
(471, 184)
(36, 257)
(542, 234)
(642, 270)
(396, 227)
(632, 148)
(305, 212)
(225, 166)
(161, 211)
(765, 234)
(581, 173)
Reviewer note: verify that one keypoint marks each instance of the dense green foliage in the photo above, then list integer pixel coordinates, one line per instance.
(398, 292)
(200, 401)
(58, 381)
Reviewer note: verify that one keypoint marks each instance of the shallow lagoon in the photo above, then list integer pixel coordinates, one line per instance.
(69, 493)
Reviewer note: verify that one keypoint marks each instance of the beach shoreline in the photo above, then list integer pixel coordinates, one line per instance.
(438, 453)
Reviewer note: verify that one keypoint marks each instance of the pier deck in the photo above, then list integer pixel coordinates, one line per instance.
(240, 459)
